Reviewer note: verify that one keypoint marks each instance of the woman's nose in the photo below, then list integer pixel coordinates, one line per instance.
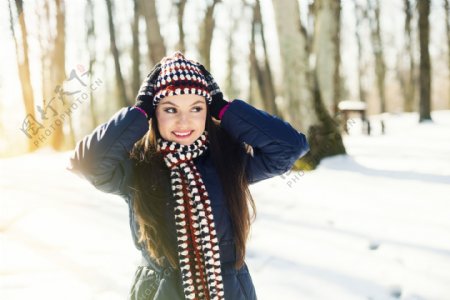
(182, 117)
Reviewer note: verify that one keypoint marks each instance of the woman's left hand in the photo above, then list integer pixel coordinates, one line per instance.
(217, 102)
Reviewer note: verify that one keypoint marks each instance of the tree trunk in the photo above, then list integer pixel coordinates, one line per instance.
(136, 78)
(360, 16)
(409, 84)
(23, 66)
(206, 35)
(294, 58)
(263, 74)
(425, 65)
(256, 92)
(377, 45)
(301, 87)
(155, 41)
(326, 47)
(181, 4)
(447, 22)
(59, 76)
(115, 52)
(231, 89)
(44, 36)
(90, 21)
(46, 51)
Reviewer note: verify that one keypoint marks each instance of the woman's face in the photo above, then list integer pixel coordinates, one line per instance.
(181, 118)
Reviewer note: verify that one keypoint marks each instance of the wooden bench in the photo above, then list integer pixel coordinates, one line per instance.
(348, 108)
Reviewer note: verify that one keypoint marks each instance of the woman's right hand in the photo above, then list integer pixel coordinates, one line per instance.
(144, 98)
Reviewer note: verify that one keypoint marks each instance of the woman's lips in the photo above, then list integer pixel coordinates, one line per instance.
(182, 134)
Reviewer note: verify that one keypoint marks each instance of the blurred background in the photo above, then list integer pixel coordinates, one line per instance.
(364, 215)
(391, 55)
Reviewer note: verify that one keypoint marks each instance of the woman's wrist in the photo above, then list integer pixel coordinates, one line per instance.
(223, 110)
(217, 104)
(142, 111)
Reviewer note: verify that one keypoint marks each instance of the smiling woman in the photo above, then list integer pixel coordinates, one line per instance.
(179, 159)
(181, 118)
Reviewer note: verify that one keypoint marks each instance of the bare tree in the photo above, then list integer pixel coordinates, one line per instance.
(45, 44)
(447, 22)
(52, 42)
(294, 55)
(425, 64)
(206, 34)
(59, 76)
(155, 41)
(377, 46)
(90, 21)
(255, 91)
(135, 56)
(407, 79)
(262, 71)
(23, 65)
(360, 16)
(307, 111)
(115, 52)
(231, 89)
(181, 4)
(326, 50)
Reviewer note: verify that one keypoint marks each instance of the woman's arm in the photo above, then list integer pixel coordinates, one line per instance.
(102, 157)
(276, 144)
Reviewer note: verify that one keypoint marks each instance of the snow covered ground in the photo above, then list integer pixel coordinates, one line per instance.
(371, 225)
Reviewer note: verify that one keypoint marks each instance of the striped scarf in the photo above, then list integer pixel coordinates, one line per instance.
(198, 247)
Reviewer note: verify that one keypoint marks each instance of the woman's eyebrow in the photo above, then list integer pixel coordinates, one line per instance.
(171, 103)
(198, 101)
(168, 102)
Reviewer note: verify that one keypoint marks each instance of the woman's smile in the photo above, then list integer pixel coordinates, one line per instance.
(182, 134)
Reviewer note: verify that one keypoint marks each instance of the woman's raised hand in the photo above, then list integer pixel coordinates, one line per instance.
(218, 102)
(144, 98)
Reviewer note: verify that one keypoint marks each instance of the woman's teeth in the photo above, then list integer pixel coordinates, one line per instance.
(182, 134)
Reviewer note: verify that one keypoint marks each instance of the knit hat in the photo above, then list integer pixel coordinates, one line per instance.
(180, 76)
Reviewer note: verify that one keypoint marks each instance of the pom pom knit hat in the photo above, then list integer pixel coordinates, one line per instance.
(180, 76)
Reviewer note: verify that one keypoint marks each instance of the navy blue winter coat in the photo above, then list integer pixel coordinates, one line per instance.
(102, 157)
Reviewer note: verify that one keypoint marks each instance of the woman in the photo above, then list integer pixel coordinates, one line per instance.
(182, 158)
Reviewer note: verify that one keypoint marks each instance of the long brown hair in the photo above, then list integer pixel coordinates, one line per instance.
(152, 191)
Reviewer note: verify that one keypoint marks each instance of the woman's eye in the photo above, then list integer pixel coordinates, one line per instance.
(197, 108)
(170, 110)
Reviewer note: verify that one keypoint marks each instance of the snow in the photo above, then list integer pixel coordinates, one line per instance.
(374, 224)
(352, 105)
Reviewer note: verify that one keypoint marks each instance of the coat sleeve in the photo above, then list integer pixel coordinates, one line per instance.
(102, 157)
(276, 144)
